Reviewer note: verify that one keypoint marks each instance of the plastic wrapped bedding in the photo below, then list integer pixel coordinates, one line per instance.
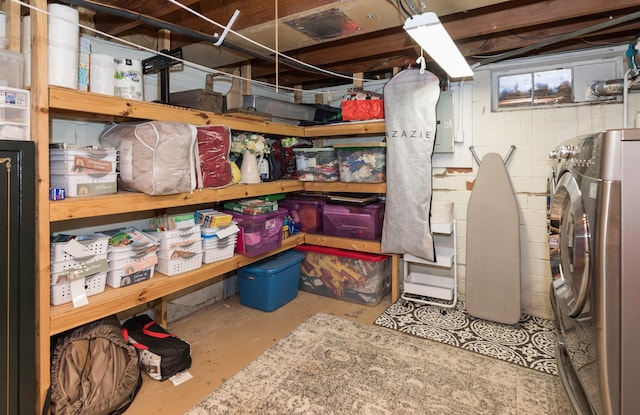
(155, 157)
(214, 166)
(410, 117)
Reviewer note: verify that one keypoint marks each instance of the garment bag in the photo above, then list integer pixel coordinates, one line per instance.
(410, 100)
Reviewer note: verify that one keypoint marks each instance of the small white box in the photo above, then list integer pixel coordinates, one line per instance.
(14, 113)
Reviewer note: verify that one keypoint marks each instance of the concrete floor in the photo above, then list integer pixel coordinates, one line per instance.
(227, 336)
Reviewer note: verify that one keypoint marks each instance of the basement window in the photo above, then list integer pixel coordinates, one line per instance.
(555, 80)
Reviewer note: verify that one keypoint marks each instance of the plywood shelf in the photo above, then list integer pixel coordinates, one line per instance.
(343, 243)
(345, 187)
(69, 103)
(124, 202)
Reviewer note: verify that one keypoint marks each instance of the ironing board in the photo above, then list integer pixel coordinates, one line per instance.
(492, 282)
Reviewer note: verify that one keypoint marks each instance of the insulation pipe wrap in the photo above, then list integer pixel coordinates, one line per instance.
(611, 87)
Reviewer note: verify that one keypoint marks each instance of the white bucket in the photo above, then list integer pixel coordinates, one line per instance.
(128, 79)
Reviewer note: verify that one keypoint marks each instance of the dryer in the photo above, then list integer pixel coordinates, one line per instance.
(594, 231)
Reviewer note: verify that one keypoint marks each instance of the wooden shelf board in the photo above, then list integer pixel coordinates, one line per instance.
(346, 128)
(343, 243)
(72, 103)
(114, 300)
(66, 102)
(345, 187)
(124, 202)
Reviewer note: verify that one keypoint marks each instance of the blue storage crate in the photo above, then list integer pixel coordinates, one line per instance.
(272, 282)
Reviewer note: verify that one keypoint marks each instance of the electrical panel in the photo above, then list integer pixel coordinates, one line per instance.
(445, 124)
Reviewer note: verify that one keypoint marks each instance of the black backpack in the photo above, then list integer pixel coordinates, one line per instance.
(162, 354)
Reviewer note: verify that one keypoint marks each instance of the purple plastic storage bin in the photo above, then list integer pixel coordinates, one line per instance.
(307, 211)
(348, 221)
(259, 234)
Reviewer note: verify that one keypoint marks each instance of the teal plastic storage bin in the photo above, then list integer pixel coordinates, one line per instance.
(272, 282)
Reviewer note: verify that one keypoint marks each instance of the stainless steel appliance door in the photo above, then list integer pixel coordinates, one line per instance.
(572, 284)
(573, 253)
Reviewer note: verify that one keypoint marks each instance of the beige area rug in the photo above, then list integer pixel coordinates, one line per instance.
(330, 365)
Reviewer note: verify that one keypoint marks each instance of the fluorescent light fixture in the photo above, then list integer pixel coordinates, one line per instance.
(429, 33)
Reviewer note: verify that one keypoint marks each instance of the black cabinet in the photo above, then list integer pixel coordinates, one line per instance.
(17, 277)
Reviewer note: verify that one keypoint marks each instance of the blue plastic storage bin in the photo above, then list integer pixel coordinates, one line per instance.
(272, 282)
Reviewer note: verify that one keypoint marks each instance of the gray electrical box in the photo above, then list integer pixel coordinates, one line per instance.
(445, 125)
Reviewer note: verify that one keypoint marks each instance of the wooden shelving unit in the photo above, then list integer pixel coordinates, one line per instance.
(51, 102)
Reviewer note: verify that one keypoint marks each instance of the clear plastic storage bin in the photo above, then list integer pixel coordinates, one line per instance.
(362, 162)
(317, 164)
(347, 275)
(259, 234)
(349, 221)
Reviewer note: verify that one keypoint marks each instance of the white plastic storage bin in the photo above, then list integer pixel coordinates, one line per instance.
(178, 265)
(78, 247)
(219, 243)
(177, 238)
(122, 277)
(94, 284)
(86, 184)
(64, 266)
(87, 160)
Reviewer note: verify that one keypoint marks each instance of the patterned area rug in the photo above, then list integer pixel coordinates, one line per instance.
(334, 366)
(529, 343)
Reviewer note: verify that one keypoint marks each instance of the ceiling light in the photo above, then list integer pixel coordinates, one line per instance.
(429, 33)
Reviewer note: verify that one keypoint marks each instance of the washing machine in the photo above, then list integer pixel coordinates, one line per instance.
(594, 235)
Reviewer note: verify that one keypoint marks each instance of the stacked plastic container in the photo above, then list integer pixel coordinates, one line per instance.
(83, 171)
(180, 250)
(259, 234)
(79, 267)
(132, 257)
(219, 243)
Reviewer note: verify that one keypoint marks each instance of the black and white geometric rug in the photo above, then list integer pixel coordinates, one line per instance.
(529, 343)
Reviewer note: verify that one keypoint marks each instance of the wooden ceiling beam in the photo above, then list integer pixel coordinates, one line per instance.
(497, 19)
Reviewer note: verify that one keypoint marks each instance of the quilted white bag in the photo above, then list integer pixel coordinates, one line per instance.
(155, 157)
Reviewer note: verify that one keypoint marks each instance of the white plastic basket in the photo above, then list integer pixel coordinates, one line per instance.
(210, 243)
(93, 244)
(74, 263)
(177, 238)
(61, 293)
(85, 184)
(174, 266)
(78, 162)
(218, 254)
(123, 262)
(168, 253)
(117, 278)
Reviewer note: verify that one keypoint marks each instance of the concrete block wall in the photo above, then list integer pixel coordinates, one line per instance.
(534, 133)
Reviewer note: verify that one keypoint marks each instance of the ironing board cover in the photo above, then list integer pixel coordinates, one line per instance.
(410, 100)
